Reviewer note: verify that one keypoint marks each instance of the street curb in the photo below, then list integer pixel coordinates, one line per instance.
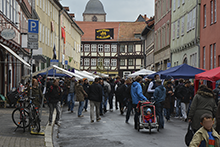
(48, 138)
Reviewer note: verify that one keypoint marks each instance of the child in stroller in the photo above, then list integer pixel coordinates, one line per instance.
(148, 116)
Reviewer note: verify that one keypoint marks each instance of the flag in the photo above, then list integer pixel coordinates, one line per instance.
(54, 53)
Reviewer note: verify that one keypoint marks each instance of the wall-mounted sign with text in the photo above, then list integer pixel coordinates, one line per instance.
(8, 34)
(104, 34)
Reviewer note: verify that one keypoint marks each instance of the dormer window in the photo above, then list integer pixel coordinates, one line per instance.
(94, 19)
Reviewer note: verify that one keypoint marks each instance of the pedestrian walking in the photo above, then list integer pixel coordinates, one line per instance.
(152, 86)
(107, 90)
(122, 96)
(65, 92)
(137, 95)
(202, 103)
(159, 96)
(111, 95)
(101, 83)
(36, 93)
(145, 88)
(71, 93)
(86, 89)
(179, 95)
(168, 100)
(128, 99)
(54, 97)
(117, 85)
(95, 97)
(184, 93)
(80, 94)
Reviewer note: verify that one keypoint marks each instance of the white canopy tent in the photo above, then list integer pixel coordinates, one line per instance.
(102, 75)
(90, 74)
(78, 77)
(90, 78)
(141, 72)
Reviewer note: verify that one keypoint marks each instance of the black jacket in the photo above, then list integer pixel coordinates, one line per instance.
(95, 92)
(86, 88)
(54, 94)
(183, 93)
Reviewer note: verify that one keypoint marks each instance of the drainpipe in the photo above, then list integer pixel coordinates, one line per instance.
(59, 25)
(196, 29)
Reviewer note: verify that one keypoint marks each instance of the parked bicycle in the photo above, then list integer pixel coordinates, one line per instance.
(20, 115)
(34, 116)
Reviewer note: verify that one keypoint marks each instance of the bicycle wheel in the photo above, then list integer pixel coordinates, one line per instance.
(35, 122)
(25, 119)
(17, 117)
(38, 123)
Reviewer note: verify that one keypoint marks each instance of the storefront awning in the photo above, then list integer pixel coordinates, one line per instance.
(15, 55)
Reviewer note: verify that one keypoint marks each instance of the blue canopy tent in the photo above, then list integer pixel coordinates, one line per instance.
(51, 73)
(182, 71)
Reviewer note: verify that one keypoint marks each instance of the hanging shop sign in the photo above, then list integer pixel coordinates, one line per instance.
(8, 34)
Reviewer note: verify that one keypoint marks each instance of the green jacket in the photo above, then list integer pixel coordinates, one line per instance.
(202, 136)
(202, 103)
(37, 93)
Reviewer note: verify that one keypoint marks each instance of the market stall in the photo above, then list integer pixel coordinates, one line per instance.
(142, 72)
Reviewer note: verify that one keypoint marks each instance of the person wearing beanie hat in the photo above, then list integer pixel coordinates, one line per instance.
(148, 117)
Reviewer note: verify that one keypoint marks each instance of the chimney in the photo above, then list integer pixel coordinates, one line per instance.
(72, 15)
(145, 16)
(67, 8)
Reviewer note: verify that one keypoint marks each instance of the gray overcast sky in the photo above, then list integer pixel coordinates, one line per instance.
(117, 10)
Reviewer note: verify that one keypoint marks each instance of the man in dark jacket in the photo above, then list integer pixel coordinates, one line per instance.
(217, 94)
(86, 89)
(111, 94)
(95, 97)
(159, 96)
(184, 94)
(71, 93)
(54, 98)
(179, 95)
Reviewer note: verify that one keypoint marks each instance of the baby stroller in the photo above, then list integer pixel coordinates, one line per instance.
(143, 107)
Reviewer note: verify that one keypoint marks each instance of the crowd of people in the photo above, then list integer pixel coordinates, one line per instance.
(172, 98)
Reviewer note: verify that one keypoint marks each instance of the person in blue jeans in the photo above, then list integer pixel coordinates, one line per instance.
(80, 94)
(71, 90)
(86, 89)
(159, 96)
(137, 95)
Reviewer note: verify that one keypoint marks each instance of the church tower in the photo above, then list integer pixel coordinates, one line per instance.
(94, 12)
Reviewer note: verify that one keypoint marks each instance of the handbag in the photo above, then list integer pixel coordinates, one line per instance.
(189, 135)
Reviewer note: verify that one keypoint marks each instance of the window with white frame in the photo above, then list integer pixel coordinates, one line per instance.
(100, 62)
(93, 47)
(193, 60)
(174, 30)
(107, 48)
(211, 54)
(178, 29)
(48, 37)
(86, 48)
(114, 48)
(81, 48)
(168, 33)
(40, 32)
(43, 35)
(86, 62)
(204, 11)
(174, 5)
(81, 62)
(130, 62)
(215, 10)
(204, 54)
(114, 62)
(130, 48)
(194, 18)
(122, 48)
(188, 22)
(100, 48)
(183, 25)
(191, 19)
(93, 62)
(106, 62)
(211, 3)
(122, 62)
(214, 54)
